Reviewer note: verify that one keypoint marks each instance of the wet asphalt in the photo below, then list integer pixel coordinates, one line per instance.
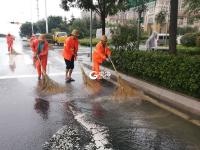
(80, 118)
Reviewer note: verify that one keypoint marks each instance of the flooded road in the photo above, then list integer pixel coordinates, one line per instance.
(79, 119)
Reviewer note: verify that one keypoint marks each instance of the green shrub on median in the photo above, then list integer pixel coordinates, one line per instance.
(86, 42)
(179, 73)
(188, 50)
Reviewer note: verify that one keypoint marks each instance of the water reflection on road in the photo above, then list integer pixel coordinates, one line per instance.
(82, 117)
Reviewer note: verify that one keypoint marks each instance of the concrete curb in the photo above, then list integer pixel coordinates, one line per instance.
(184, 106)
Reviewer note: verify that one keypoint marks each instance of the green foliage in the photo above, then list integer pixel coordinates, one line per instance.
(184, 30)
(198, 41)
(41, 25)
(103, 8)
(2, 35)
(179, 73)
(86, 42)
(55, 30)
(124, 35)
(161, 17)
(192, 8)
(26, 29)
(189, 39)
(55, 24)
(188, 50)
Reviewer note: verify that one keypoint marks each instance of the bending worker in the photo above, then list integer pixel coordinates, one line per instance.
(70, 54)
(10, 40)
(40, 50)
(100, 54)
(33, 41)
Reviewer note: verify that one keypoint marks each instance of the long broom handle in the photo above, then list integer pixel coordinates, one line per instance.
(113, 65)
(41, 65)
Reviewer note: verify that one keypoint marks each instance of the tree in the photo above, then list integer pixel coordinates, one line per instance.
(103, 8)
(41, 25)
(54, 22)
(192, 8)
(26, 29)
(173, 26)
(140, 9)
(161, 18)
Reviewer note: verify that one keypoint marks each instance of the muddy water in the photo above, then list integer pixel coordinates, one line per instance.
(122, 125)
(80, 118)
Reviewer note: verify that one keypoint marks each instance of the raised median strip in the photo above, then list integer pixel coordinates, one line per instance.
(179, 104)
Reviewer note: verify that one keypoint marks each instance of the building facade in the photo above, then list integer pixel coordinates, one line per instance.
(153, 8)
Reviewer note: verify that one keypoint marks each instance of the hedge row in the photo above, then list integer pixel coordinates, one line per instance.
(188, 50)
(86, 42)
(191, 39)
(179, 73)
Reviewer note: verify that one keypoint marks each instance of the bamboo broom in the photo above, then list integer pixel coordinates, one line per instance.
(49, 86)
(123, 88)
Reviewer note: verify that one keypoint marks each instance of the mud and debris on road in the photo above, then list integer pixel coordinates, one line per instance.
(79, 118)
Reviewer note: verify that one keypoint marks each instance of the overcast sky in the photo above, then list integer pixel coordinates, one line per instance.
(21, 10)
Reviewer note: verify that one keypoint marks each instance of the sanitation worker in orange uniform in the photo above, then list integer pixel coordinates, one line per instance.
(33, 41)
(40, 50)
(100, 54)
(10, 40)
(70, 54)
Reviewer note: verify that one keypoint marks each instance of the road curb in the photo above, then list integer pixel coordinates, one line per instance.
(181, 105)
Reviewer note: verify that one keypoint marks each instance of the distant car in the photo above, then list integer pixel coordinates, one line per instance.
(24, 39)
(162, 39)
(37, 35)
(49, 38)
(179, 39)
(59, 37)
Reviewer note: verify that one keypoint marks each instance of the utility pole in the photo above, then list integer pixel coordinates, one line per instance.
(91, 35)
(47, 30)
(37, 7)
(31, 17)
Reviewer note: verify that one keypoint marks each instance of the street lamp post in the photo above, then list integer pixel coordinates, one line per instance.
(47, 30)
(94, 2)
(32, 29)
(91, 35)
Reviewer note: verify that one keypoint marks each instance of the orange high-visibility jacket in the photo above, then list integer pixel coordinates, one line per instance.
(34, 45)
(44, 52)
(101, 53)
(32, 42)
(70, 48)
(9, 39)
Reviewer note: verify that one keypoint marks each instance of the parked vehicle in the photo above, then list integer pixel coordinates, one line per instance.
(59, 37)
(162, 39)
(49, 38)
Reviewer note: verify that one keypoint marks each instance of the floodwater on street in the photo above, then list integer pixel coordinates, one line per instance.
(79, 119)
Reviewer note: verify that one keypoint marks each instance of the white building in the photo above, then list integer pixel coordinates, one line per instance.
(153, 9)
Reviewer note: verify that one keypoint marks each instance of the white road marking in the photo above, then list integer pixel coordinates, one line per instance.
(99, 133)
(33, 75)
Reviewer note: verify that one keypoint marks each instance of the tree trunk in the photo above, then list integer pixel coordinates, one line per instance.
(173, 26)
(103, 24)
(103, 18)
(139, 30)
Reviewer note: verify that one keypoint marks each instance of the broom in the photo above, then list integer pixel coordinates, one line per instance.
(93, 85)
(123, 88)
(48, 86)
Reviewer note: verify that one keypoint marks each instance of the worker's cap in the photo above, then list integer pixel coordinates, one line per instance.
(75, 32)
(104, 38)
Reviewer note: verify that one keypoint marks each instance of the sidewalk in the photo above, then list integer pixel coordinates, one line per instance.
(181, 105)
